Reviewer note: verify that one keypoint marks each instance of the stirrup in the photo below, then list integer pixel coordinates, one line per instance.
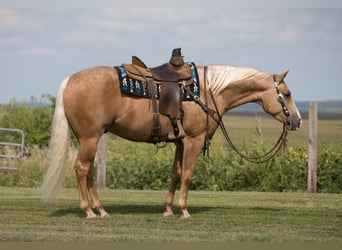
(177, 132)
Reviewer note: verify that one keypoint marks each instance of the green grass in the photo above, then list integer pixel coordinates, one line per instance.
(137, 216)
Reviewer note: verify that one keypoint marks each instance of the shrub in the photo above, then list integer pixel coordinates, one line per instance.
(139, 166)
(135, 166)
(329, 169)
(34, 119)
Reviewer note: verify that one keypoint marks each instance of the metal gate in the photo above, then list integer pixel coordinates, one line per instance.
(11, 148)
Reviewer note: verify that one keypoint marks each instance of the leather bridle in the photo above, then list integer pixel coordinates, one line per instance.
(280, 97)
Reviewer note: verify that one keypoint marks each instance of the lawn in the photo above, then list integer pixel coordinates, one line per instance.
(137, 216)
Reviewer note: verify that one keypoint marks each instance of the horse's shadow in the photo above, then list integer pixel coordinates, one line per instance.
(128, 209)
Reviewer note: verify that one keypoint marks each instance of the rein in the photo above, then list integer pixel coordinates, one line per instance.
(281, 142)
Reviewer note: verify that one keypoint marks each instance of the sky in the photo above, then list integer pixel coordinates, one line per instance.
(39, 47)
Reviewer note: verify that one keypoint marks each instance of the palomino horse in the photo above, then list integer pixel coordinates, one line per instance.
(90, 102)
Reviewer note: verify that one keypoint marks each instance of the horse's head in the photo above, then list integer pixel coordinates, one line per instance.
(277, 101)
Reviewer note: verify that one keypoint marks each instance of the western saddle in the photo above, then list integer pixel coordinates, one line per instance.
(171, 77)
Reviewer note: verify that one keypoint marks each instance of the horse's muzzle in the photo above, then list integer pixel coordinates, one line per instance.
(293, 124)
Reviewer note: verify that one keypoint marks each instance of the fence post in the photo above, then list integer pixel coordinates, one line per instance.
(312, 147)
(101, 162)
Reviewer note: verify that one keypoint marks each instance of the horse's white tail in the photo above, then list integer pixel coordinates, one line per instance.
(58, 149)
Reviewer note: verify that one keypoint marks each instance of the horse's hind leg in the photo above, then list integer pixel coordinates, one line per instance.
(93, 192)
(84, 173)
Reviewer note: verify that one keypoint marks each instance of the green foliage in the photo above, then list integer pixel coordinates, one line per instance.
(31, 172)
(286, 172)
(33, 118)
(138, 166)
(329, 169)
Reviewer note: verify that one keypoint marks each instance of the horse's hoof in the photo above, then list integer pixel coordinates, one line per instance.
(91, 216)
(168, 214)
(104, 215)
(185, 214)
(184, 217)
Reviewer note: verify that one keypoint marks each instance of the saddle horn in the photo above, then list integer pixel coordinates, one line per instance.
(177, 58)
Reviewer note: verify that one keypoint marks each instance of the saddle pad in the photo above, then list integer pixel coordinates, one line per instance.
(138, 88)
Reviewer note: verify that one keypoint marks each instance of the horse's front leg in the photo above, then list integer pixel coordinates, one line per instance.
(175, 178)
(192, 149)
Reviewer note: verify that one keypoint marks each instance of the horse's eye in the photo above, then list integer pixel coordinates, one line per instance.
(287, 94)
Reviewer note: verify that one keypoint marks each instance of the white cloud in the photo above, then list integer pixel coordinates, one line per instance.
(280, 25)
(17, 19)
(38, 51)
(11, 41)
(155, 14)
(17, 27)
(205, 26)
(120, 25)
(290, 32)
(90, 37)
(146, 19)
(126, 27)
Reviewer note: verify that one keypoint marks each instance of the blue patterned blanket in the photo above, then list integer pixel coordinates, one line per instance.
(137, 88)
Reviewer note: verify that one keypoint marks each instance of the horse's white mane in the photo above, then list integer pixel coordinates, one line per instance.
(220, 76)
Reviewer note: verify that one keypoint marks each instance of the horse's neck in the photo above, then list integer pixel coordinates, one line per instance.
(234, 86)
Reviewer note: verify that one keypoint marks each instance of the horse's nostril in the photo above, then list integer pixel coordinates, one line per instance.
(293, 125)
(289, 124)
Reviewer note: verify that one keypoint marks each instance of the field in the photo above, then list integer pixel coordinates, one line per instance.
(137, 216)
(244, 129)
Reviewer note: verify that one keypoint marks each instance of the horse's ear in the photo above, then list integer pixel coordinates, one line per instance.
(281, 77)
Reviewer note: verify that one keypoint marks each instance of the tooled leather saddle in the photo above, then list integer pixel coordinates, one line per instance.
(170, 77)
